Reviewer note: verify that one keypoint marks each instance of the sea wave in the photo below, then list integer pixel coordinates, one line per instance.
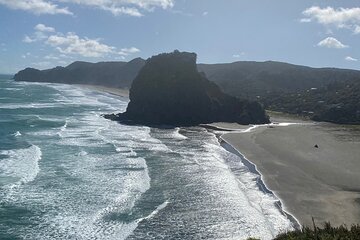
(22, 165)
(254, 180)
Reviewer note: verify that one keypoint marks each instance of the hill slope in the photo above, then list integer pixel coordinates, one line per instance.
(259, 79)
(110, 74)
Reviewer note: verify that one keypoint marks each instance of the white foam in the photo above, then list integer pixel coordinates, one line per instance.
(22, 164)
(285, 124)
(17, 134)
(178, 135)
(267, 204)
(153, 213)
(27, 105)
(260, 208)
(250, 128)
(64, 126)
(82, 153)
(85, 187)
(12, 89)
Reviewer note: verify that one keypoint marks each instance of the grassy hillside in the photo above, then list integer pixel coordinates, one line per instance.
(259, 79)
(337, 102)
(327, 232)
(324, 94)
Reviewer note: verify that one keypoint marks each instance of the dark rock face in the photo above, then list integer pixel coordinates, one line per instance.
(170, 91)
(110, 74)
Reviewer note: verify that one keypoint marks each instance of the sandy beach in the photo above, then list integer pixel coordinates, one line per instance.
(116, 91)
(314, 182)
(322, 182)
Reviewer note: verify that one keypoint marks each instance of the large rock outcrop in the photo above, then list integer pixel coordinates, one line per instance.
(170, 91)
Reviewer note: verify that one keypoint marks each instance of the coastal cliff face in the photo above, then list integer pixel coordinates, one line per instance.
(170, 90)
(110, 74)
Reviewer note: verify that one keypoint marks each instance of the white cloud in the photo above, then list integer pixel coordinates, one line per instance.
(351, 59)
(120, 58)
(331, 42)
(37, 7)
(38, 35)
(73, 44)
(205, 13)
(125, 7)
(357, 29)
(51, 57)
(341, 18)
(305, 20)
(128, 51)
(42, 28)
(116, 7)
(238, 55)
(28, 39)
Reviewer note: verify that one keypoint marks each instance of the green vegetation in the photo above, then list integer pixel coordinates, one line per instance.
(323, 94)
(328, 232)
(337, 102)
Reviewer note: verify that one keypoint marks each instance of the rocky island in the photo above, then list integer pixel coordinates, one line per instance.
(169, 90)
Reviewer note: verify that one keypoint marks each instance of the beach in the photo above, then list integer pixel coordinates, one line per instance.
(320, 182)
(310, 182)
(122, 92)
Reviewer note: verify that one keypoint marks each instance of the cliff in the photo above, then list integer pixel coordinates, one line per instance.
(170, 91)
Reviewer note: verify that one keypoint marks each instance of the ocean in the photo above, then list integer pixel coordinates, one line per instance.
(68, 173)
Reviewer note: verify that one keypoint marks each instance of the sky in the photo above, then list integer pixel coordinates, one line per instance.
(47, 33)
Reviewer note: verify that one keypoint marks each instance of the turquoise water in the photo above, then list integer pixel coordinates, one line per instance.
(68, 173)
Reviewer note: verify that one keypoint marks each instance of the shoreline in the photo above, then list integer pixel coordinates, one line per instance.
(121, 92)
(230, 148)
(250, 165)
(303, 188)
(309, 181)
(261, 183)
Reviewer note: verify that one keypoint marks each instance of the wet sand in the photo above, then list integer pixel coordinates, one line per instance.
(322, 182)
(116, 91)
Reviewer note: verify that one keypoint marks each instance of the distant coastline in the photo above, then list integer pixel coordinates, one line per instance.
(322, 94)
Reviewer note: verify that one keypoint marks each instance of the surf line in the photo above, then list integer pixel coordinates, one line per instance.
(219, 132)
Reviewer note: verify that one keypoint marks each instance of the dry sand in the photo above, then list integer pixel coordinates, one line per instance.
(323, 182)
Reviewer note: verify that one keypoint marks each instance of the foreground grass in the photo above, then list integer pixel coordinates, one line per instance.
(328, 232)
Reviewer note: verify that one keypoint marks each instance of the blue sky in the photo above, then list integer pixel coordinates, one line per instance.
(48, 33)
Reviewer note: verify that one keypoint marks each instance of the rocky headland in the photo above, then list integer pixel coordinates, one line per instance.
(169, 90)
